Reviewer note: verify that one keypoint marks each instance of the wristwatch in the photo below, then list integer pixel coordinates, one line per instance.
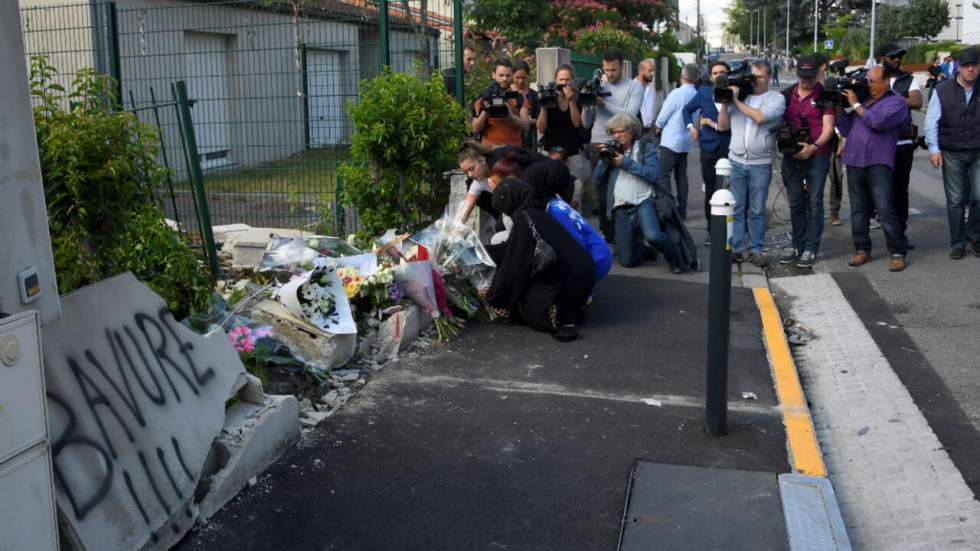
(854, 106)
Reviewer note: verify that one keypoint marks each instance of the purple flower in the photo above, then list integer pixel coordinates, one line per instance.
(396, 291)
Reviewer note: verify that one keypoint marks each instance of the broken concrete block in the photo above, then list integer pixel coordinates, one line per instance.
(399, 329)
(247, 244)
(305, 340)
(253, 437)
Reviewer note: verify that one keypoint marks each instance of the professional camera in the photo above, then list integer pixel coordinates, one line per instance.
(742, 77)
(592, 90)
(839, 67)
(788, 139)
(495, 101)
(549, 94)
(834, 87)
(609, 149)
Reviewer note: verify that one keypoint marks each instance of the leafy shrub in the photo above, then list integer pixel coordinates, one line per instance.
(98, 165)
(406, 134)
(602, 37)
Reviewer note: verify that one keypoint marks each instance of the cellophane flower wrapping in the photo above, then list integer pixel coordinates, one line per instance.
(416, 280)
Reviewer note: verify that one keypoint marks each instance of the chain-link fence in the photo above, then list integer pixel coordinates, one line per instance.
(269, 82)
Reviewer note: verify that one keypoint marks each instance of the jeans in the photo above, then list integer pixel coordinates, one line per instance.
(836, 185)
(872, 187)
(708, 160)
(629, 246)
(900, 183)
(961, 180)
(806, 205)
(676, 163)
(750, 186)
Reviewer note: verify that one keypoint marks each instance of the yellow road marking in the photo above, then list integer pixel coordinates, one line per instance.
(804, 451)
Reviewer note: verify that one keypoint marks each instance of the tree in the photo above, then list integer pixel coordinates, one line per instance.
(926, 18)
(519, 21)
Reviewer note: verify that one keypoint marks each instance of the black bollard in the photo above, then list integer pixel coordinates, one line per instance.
(719, 305)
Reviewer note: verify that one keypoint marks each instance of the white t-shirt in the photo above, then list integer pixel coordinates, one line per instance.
(630, 189)
(913, 87)
(478, 186)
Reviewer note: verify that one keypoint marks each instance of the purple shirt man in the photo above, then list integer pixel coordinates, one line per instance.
(871, 138)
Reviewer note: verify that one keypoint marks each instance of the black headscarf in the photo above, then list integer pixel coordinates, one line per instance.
(547, 179)
(512, 196)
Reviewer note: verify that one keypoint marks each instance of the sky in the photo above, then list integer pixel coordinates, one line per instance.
(714, 17)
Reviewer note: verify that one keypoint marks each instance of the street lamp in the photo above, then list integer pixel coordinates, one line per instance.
(816, 22)
(871, 54)
(787, 30)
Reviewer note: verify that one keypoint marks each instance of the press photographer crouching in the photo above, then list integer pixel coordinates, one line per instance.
(628, 169)
(804, 142)
(560, 123)
(872, 129)
(501, 114)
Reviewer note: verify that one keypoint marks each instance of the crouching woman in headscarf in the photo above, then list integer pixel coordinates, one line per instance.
(552, 298)
(552, 185)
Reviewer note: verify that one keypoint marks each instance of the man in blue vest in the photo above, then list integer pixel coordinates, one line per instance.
(953, 137)
(704, 130)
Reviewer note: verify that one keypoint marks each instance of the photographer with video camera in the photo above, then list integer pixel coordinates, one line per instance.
(713, 142)
(953, 136)
(559, 123)
(871, 129)
(617, 95)
(904, 84)
(752, 120)
(501, 113)
(805, 145)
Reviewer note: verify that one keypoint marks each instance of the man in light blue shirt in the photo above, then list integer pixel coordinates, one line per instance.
(675, 140)
(953, 137)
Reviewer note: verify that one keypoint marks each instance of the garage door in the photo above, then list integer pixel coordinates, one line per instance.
(206, 58)
(325, 97)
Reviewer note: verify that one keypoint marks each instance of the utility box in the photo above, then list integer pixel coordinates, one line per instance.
(27, 280)
(27, 510)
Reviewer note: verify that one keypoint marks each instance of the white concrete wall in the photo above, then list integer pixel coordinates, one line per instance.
(24, 237)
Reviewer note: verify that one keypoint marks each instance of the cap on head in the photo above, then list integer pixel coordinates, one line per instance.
(808, 66)
(891, 50)
(968, 56)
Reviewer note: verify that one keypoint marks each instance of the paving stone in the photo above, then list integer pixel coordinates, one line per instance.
(892, 469)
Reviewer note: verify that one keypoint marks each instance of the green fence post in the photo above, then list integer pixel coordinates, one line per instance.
(115, 70)
(458, 45)
(383, 23)
(166, 159)
(190, 144)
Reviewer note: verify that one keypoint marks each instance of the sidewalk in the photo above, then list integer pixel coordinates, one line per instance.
(506, 439)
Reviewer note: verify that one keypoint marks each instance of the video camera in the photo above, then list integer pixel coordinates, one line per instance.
(742, 77)
(549, 94)
(833, 87)
(788, 139)
(609, 149)
(592, 90)
(495, 101)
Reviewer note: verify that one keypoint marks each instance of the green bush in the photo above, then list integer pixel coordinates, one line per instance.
(406, 134)
(99, 165)
(597, 40)
(925, 52)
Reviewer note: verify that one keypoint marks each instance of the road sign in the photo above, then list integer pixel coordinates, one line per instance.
(828, 44)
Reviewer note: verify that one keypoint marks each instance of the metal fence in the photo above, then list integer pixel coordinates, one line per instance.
(269, 83)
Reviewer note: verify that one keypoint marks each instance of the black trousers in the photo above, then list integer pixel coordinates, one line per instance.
(900, 182)
(708, 176)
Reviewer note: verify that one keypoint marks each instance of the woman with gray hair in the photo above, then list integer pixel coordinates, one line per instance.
(631, 169)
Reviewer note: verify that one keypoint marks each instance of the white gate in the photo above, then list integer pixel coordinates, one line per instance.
(206, 56)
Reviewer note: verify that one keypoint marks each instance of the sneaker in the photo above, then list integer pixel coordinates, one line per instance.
(874, 225)
(759, 259)
(676, 269)
(737, 258)
(975, 245)
(860, 258)
(707, 241)
(807, 259)
(566, 333)
(788, 258)
(897, 263)
(957, 253)
(835, 220)
(650, 253)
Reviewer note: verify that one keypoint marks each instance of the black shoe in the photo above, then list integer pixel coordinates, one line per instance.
(975, 245)
(737, 258)
(759, 259)
(792, 256)
(651, 253)
(566, 333)
(957, 253)
(707, 241)
(807, 259)
(676, 269)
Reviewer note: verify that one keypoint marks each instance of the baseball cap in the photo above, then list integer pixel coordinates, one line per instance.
(891, 50)
(808, 66)
(969, 56)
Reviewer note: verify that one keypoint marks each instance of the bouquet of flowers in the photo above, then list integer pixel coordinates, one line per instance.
(352, 280)
(319, 297)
